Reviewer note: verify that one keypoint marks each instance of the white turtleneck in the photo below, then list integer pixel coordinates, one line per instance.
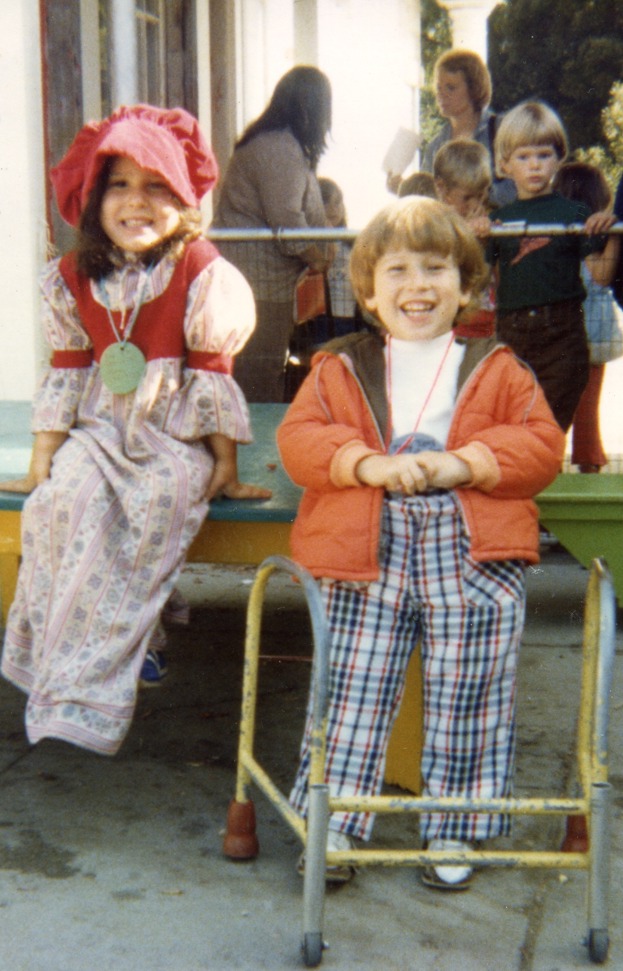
(412, 368)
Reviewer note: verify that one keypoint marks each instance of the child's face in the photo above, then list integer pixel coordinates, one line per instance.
(464, 202)
(334, 210)
(532, 168)
(138, 209)
(416, 295)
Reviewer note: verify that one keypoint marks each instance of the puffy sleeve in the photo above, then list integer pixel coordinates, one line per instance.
(220, 311)
(61, 388)
(220, 318)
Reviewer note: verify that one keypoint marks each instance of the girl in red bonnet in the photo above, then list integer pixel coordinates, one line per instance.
(135, 423)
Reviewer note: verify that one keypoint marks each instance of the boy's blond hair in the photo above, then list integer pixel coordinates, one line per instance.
(529, 123)
(421, 225)
(465, 164)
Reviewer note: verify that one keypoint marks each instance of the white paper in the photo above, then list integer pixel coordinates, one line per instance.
(401, 151)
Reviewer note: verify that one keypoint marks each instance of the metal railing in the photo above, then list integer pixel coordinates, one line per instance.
(256, 259)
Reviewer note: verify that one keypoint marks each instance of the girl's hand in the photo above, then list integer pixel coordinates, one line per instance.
(599, 222)
(25, 485)
(45, 446)
(393, 182)
(396, 473)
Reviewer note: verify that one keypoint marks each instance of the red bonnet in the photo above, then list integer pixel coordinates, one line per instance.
(167, 142)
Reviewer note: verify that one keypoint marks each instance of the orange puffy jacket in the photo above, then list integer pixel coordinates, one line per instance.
(502, 427)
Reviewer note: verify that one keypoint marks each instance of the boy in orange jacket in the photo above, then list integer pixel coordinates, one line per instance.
(419, 453)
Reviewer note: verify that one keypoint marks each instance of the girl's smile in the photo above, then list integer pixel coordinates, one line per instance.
(138, 209)
(417, 296)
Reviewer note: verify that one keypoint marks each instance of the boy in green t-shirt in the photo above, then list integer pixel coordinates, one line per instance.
(540, 291)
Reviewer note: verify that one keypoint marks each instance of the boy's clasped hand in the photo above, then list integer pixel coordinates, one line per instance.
(413, 474)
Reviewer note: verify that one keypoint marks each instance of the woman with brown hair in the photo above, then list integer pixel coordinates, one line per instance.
(463, 90)
(271, 183)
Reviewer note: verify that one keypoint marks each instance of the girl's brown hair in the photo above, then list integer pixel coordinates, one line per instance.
(422, 225)
(97, 255)
(585, 183)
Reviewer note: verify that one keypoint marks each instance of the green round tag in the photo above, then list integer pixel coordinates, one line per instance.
(121, 367)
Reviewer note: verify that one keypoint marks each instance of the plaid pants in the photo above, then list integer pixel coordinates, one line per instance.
(468, 618)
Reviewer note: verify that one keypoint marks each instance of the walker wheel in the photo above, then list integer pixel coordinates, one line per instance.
(598, 944)
(312, 948)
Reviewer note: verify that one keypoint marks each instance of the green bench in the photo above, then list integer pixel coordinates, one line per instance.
(236, 531)
(584, 512)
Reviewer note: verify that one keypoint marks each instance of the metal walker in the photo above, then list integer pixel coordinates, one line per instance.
(586, 846)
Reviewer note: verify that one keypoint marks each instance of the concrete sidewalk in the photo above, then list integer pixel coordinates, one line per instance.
(116, 865)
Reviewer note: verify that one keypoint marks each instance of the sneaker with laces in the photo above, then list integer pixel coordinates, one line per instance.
(448, 876)
(154, 670)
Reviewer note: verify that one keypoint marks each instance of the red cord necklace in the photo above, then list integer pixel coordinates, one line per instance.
(429, 393)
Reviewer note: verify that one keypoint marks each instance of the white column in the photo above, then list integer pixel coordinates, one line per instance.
(253, 59)
(469, 23)
(204, 100)
(22, 199)
(90, 60)
(371, 54)
(123, 53)
(306, 42)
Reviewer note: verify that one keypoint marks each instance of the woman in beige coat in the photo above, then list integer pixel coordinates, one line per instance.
(271, 183)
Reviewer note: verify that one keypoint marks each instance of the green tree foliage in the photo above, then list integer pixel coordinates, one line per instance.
(436, 38)
(566, 52)
(609, 159)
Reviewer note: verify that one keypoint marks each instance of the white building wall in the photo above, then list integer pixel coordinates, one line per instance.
(371, 53)
(468, 20)
(22, 199)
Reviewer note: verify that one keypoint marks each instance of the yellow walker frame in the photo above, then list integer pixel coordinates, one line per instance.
(592, 805)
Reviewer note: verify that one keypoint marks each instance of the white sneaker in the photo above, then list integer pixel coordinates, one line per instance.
(338, 841)
(448, 877)
(335, 872)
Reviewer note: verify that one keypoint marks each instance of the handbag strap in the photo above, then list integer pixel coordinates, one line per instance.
(329, 308)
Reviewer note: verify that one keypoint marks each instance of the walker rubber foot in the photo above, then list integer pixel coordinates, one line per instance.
(240, 841)
(576, 837)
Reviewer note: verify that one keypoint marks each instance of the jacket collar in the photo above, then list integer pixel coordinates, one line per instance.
(364, 351)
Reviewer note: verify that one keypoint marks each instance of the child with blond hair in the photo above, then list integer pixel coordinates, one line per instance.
(540, 291)
(463, 179)
(462, 174)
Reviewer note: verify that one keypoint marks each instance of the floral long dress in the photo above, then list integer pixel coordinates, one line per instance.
(105, 537)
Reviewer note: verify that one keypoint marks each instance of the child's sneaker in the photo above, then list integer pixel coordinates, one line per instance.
(154, 670)
(335, 872)
(448, 877)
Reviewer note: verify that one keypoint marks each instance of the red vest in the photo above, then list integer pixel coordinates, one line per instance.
(159, 327)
